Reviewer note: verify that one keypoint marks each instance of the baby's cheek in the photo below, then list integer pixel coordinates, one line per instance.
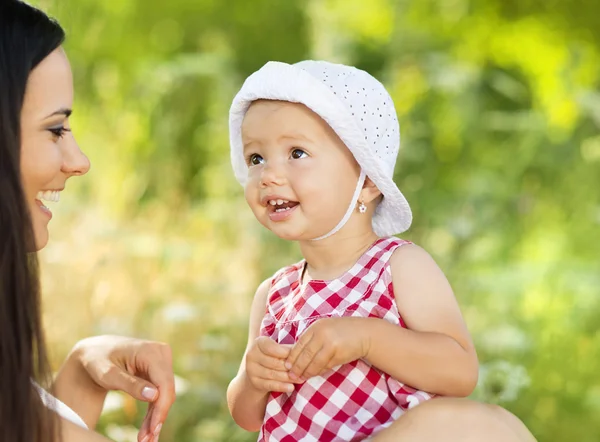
(250, 191)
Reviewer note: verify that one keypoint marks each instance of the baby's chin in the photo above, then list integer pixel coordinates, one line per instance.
(286, 232)
(292, 234)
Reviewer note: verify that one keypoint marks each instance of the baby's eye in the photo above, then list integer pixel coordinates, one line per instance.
(254, 159)
(298, 154)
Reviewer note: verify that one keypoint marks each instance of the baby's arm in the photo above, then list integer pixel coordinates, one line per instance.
(435, 353)
(262, 370)
(246, 404)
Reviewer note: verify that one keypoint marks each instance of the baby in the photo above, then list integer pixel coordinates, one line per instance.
(366, 326)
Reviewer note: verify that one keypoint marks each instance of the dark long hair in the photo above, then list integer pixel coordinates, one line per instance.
(27, 36)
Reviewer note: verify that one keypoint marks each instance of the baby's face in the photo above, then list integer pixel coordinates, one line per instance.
(301, 176)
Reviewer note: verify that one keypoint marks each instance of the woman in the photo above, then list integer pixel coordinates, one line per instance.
(38, 154)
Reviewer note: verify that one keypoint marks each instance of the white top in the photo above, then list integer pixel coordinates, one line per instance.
(58, 407)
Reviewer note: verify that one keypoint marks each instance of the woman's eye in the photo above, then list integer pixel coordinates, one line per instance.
(298, 154)
(255, 159)
(59, 132)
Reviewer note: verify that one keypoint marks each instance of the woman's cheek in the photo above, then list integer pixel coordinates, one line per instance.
(48, 163)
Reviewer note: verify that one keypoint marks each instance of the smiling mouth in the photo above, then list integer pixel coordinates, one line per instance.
(278, 206)
(48, 195)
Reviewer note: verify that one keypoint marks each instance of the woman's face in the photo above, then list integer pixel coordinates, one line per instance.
(49, 153)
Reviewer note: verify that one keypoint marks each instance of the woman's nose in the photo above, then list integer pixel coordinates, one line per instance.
(75, 161)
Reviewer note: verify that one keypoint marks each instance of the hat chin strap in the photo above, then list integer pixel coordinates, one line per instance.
(342, 223)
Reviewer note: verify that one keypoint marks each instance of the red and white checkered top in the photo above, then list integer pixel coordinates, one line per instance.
(350, 402)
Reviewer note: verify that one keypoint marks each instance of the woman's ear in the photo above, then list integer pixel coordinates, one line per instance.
(369, 192)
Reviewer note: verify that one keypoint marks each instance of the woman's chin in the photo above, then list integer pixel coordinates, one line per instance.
(41, 235)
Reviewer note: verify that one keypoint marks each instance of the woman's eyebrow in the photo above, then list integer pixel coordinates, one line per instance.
(62, 111)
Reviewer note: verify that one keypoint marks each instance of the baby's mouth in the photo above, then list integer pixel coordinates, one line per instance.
(281, 205)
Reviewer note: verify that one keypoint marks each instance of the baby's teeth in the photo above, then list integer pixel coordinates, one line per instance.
(273, 202)
(280, 202)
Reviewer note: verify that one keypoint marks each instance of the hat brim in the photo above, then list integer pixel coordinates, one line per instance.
(281, 81)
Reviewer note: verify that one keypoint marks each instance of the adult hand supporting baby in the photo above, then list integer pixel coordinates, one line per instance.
(327, 343)
(265, 366)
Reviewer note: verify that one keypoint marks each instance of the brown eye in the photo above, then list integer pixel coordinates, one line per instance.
(298, 154)
(255, 159)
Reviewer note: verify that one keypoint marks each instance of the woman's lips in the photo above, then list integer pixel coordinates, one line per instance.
(45, 210)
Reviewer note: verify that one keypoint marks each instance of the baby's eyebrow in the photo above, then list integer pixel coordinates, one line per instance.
(296, 136)
(289, 136)
(249, 143)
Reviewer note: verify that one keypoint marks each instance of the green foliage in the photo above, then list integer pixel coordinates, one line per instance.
(499, 105)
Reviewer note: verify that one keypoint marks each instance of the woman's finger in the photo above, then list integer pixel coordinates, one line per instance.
(162, 376)
(119, 379)
(145, 435)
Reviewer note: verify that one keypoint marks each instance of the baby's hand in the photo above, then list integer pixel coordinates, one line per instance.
(326, 344)
(265, 366)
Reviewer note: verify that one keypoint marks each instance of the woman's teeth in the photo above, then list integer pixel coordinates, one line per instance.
(49, 195)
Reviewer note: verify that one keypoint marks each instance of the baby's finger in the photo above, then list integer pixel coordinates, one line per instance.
(302, 355)
(271, 362)
(317, 364)
(271, 348)
(297, 349)
(272, 385)
(275, 375)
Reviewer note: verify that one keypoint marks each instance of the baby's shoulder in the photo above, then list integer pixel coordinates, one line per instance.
(287, 274)
(411, 262)
(385, 248)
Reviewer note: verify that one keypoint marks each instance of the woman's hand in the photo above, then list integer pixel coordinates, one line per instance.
(142, 369)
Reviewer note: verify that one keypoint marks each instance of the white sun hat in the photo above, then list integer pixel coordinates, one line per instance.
(355, 105)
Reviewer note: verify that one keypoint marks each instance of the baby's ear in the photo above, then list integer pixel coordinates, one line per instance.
(369, 192)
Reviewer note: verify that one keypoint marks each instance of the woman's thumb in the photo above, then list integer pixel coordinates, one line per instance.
(138, 388)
